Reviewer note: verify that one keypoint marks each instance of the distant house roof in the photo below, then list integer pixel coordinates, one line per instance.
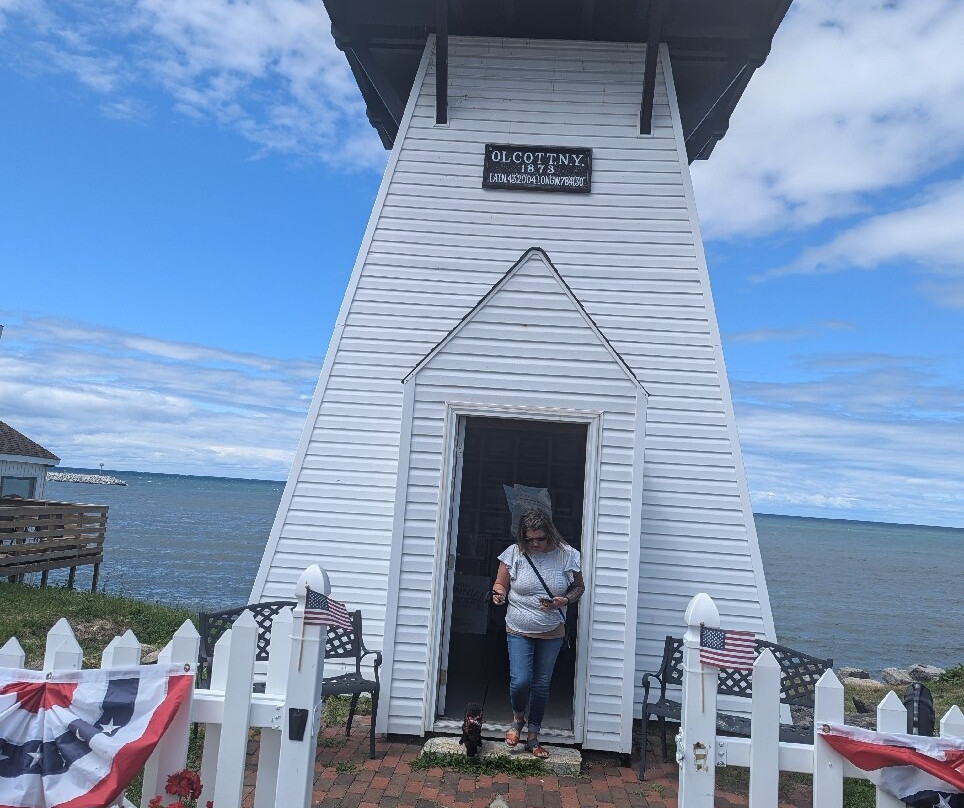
(19, 445)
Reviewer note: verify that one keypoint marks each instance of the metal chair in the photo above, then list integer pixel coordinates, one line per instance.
(340, 644)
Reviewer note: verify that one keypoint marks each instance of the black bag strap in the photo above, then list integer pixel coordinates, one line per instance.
(562, 614)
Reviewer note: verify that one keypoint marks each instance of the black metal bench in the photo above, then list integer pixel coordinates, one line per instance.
(799, 674)
(340, 644)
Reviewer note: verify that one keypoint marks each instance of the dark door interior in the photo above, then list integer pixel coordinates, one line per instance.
(497, 452)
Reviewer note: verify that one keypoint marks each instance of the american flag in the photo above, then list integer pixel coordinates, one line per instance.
(321, 610)
(733, 650)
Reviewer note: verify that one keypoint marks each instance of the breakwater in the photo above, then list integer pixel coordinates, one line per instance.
(89, 479)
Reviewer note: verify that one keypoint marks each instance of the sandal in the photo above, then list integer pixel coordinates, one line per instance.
(514, 733)
(536, 749)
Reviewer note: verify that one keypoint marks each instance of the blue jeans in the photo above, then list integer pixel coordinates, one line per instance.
(530, 671)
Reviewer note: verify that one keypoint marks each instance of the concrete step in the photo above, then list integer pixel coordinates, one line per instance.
(562, 760)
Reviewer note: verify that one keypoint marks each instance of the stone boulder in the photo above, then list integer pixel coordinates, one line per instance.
(847, 672)
(149, 654)
(861, 683)
(899, 677)
(924, 673)
(865, 720)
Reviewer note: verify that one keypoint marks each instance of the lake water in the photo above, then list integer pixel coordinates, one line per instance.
(865, 593)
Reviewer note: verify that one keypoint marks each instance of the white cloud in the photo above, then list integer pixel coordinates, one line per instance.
(856, 97)
(788, 334)
(267, 68)
(93, 395)
(928, 233)
(873, 437)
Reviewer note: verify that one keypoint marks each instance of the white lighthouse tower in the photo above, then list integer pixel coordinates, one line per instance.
(530, 306)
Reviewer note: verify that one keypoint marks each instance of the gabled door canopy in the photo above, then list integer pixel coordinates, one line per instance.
(539, 254)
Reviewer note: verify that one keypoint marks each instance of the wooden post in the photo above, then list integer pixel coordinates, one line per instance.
(170, 754)
(302, 698)
(696, 743)
(279, 657)
(891, 717)
(93, 580)
(765, 732)
(71, 577)
(828, 765)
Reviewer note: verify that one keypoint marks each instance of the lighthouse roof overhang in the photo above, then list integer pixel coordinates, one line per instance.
(714, 46)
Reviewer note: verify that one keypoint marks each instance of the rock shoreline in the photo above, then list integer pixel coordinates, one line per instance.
(93, 479)
(865, 714)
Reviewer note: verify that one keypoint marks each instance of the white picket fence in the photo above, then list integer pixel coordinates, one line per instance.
(700, 751)
(229, 707)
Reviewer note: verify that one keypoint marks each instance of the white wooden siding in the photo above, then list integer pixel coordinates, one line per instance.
(630, 251)
(520, 370)
(15, 468)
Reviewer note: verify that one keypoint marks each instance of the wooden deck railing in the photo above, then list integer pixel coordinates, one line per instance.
(40, 535)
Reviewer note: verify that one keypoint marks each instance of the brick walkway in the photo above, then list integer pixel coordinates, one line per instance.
(346, 778)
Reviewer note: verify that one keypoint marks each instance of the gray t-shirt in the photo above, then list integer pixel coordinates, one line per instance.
(557, 568)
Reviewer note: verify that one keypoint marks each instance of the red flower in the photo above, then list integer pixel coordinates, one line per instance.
(155, 802)
(184, 784)
(209, 804)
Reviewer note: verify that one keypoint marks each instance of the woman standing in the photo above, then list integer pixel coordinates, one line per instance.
(539, 576)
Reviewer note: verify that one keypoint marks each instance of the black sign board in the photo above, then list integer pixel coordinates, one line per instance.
(537, 168)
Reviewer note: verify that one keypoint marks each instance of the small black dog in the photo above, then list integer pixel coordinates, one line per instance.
(472, 729)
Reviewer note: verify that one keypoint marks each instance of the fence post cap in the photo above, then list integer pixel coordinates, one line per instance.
(702, 611)
(766, 660)
(315, 578)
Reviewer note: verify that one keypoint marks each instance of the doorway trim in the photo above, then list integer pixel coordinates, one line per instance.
(448, 493)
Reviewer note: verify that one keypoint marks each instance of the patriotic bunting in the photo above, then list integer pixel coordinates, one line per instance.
(75, 739)
(923, 772)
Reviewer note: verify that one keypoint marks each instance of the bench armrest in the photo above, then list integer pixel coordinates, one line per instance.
(378, 660)
(654, 676)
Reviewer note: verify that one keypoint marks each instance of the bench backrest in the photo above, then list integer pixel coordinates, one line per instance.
(340, 643)
(799, 672)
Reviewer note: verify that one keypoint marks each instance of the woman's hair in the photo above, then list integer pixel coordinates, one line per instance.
(538, 519)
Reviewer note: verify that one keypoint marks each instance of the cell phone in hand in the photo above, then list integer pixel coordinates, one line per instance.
(545, 601)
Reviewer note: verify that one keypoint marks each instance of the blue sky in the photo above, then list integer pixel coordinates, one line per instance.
(184, 185)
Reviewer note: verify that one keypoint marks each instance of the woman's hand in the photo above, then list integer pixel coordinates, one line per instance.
(498, 598)
(554, 603)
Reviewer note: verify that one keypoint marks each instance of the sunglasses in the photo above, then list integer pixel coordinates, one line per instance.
(532, 541)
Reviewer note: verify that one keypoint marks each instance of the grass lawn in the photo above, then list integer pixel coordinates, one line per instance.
(28, 613)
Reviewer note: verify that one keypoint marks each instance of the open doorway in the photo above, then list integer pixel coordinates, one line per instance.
(497, 452)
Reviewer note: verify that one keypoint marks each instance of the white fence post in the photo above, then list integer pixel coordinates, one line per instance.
(232, 750)
(827, 764)
(303, 696)
(212, 732)
(765, 732)
(170, 754)
(121, 652)
(12, 655)
(891, 717)
(279, 657)
(696, 743)
(952, 724)
(63, 653)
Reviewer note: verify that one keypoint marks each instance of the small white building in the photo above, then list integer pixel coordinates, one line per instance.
(530, 305)
(23, 464)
